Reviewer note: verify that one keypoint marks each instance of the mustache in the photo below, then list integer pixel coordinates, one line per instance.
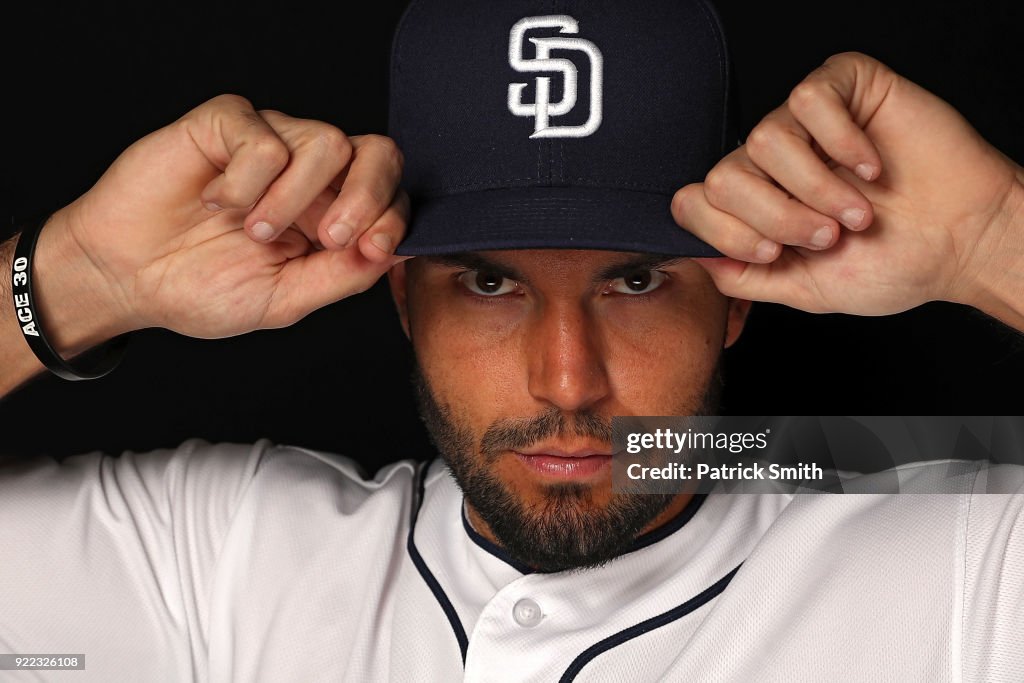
(519, 433)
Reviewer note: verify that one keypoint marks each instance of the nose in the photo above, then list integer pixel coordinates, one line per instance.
(565, 358)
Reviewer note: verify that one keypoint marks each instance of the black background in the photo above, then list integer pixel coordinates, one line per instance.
(84, 83)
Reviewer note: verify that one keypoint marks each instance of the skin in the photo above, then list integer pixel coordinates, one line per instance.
(231, 219)
(565, 336)
(937, 206)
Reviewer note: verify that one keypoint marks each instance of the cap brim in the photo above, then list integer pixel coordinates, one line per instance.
(549, 218)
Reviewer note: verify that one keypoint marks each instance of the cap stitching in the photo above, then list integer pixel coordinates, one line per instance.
(723, 67)
(396, 64)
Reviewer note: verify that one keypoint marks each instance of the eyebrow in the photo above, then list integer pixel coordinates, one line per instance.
(628, 266)
(632, 265)
(474, 261)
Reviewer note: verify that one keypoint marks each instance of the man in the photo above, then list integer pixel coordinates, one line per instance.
(549, 293)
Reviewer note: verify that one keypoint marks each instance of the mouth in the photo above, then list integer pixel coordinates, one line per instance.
(559, 464)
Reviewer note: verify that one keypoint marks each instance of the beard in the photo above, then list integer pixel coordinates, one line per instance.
(565, 530)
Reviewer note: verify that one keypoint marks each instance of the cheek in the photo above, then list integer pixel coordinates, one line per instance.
(472, 360)
(660, 361)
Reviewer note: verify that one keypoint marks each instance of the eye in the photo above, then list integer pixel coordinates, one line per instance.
(640, 282)
(485, 283)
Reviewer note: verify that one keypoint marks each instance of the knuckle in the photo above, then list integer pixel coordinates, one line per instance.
(331, 141)
(805, 95)
(270, 151)
(761, 138)
(388, 147)
(682, 198)
(841, 58)
(229, 101)
(717, 184)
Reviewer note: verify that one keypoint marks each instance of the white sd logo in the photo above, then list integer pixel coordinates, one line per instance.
(543, 110)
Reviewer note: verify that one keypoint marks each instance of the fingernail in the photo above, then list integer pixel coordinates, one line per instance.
(765, 250)
(852, 218)
(822, 238)
(865, 171)
(341, 233)
(212, 206)
(382, 242)
(263, 231)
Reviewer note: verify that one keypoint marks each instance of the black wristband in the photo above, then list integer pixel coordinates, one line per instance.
(100, 360)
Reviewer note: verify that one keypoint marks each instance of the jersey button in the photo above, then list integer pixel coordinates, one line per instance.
(527, 613)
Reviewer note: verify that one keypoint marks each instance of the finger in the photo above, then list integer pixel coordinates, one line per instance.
(235, 139)
(368, 190)
(378, 243)
(321, 278)
(781, 148)
(822, 104)
(318, 154)
(739, 188)
(309, 220)
(725, 232)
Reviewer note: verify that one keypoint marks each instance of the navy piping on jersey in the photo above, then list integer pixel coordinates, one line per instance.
(653, 536)
(424, 570)
(646, 626)
(493, 548)
(597, 648)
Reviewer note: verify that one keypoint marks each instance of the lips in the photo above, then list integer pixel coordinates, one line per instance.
(557, 463)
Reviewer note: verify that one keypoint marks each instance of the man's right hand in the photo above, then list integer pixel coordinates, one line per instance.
(230, 220)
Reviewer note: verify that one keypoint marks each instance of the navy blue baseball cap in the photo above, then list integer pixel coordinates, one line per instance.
(557, 123)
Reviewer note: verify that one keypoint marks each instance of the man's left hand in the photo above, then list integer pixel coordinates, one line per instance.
(866, 194)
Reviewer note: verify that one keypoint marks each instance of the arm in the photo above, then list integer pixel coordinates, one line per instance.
(75, 320)
(117, 557)
(864, 194)
(223, 222)
(996, 285)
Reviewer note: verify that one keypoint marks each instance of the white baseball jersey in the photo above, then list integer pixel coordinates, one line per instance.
(264, 563)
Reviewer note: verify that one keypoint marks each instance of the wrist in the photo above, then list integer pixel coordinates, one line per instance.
(995, 284)
(78, 309)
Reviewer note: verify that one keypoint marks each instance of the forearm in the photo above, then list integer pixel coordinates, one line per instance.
(17, 363)
(66, 309)
(998, 286)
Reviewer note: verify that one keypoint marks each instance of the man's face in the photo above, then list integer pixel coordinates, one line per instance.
(525, 356)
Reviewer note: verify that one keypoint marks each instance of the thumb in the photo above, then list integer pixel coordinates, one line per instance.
(323, 277)
(776, 282)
